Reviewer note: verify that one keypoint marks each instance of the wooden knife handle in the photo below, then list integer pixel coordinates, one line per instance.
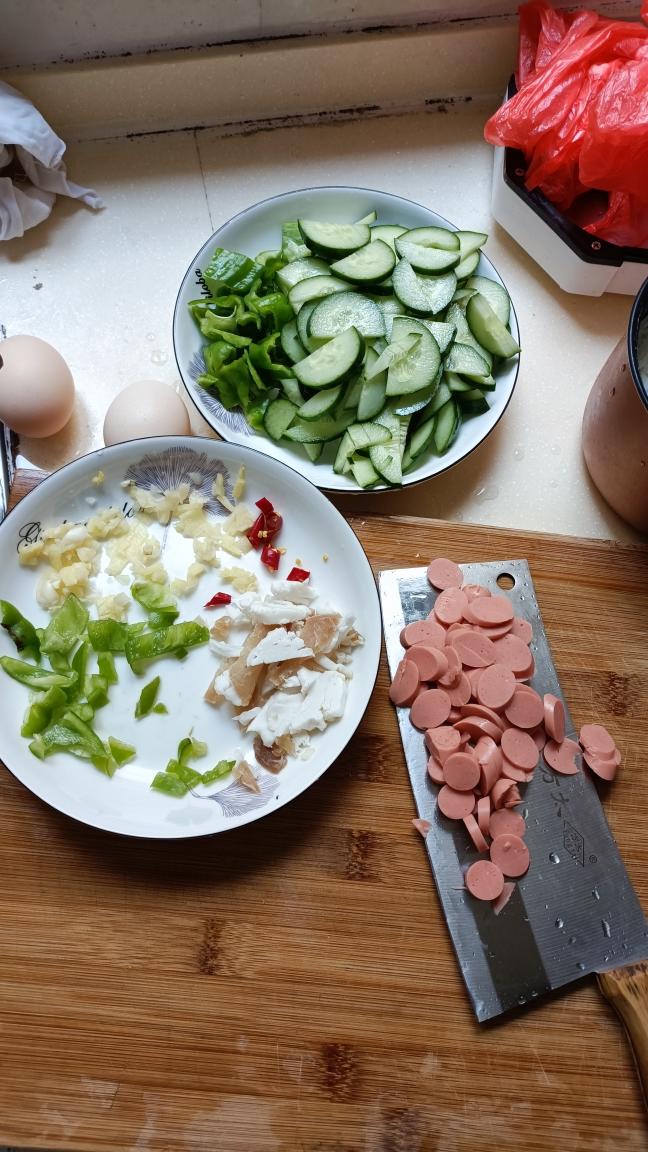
(626, 989)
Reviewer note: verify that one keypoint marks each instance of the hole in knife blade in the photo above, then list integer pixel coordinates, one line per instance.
(505, 580)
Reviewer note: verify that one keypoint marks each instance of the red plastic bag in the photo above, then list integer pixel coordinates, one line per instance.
(580, 115)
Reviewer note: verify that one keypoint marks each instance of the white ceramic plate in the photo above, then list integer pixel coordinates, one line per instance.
(312, 529)
(258, 229)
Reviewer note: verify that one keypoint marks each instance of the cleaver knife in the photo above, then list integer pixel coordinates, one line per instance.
(575, 912)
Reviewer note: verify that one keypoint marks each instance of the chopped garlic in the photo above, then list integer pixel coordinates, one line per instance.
(238, 491)
(98, 478)
(235, 547)
(191, 581)
(238, 521)
(31, 555)
(218, 490)
(206, 551)
(161, 506)
(192, 520)
(240, 578)
(107, 523)
(113, 607)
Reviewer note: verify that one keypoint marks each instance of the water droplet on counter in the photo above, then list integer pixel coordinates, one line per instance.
(150, 336)
(556, 449)
(596, 894)
(560, 923)
(159, 357)
(607, 931)
(525, 813)
(572, 939)
(554, 857)
(518, 454)
(553, 483)
(581, 966)
(488, 492)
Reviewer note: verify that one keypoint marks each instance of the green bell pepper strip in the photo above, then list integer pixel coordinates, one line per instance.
(157, 601)
(34, 677)
(42, 711)
(111, 635)
(147, 698)
(84, 712)
(69, 734)
(170, 785)
(230, 272)
(161, 709)
(96, 691)
(260, 356)
(190, 749)
(65, 628)
(292, 243)
(220, 770)
(22, 632)
(79, 662)
(216, 355)
(164, 641)
(121, 753)
(273, 308)
(183, 772)
(106, 664)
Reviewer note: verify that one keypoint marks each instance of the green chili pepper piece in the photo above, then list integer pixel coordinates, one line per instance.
(70, 734)
(22, 632)
(156, 599)
(147, 698)
(79, 662)
(161, 709)
(65, 628)
(41, 712)
(111, 635)
(34, 677)
(223, 768)
(84, 712)
(292, 244)
(96, 690)
(230, 271)
(106, 663)
(121, 753)
(183, 772)
(190, 749)
(171, 785)
(164, 641)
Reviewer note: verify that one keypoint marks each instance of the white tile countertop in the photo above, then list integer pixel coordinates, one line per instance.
(101, 288)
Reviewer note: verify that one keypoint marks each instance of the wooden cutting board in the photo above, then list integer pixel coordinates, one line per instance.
(290, 986)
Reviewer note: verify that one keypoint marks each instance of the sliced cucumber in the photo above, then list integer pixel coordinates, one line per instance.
(463, 358)
(425, 259)
(487, 327)
(314, 451)
(462, 295)
(383, 288)
(467, 266)
(333, 362)
(278, 417)
(441, 397)
(373, 391)
(409, 405)
(333, 239)
(320, 404)
(435, 238)
(369, 265)
(473, 403)
(486, 383)
(446, 427)
(290, 342)
(457, 316)
(345, 310)
(318, 431)
(303, 316)
(390, 307)
(388, 233)
(291, 274)
(364, 472)
(443, 333)
(292, 391)
(314, 288)
(368, 434)
(495, 293)
(353, 390)
(370, 218)
(457, 383)
(421, 438)
(423, 294)
(419, 364)
(470, 242)
(341, 463)
(387, 458)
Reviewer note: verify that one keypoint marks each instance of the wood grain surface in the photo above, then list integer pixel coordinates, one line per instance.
(290, 986)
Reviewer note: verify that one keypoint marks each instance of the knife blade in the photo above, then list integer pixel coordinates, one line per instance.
(5, 470)
(575, 912)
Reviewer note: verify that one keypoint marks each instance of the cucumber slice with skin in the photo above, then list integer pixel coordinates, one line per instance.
(456, 383)
(290, 342)
(422, 294)
(463, 358)
(369, 219)
(424, 259)
(278, 417)
(333, 362)
(367, 435)
(369, 265)
(314, 451)
(364, 472)
(489, 329)
(343, 454)
(390, 307)
(435, 238)
(318, 431)
(421, 438)
(314, 288)
(373, 392)
(333, 240)
(457, 316)
(486, 383)
(353, 390)
(467, 266)
(416, 402)
(303, 316)
(470, 242)
(441, 397)
(342, 311)
(382, 288)
(320, 404)
(473, 403)
(446, 427)
(292, 274)
(418, 367)
(387, 458)
(497, 296)
(292, 391)
(443, 333)
(388, 233)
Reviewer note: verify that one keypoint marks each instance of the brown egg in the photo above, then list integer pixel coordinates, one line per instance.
(145, 408)
(36, 387)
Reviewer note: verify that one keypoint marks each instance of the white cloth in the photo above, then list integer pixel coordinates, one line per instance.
(26, 137)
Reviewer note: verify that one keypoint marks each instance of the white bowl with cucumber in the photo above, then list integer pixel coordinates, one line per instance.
(357, 336)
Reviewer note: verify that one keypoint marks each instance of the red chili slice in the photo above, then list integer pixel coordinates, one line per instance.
(218, 599)
(270, 556)
(265, 505)
(299, 575)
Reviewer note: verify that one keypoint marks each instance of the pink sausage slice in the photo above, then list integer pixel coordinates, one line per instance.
(475, 651)
(474, 831)
(449, 606)
(520, 749)
(510, 854)
(442, 741)
(562, 757)
(604, 769)
(595, 738)
(484, 880)
(422, 826)
(507, 823)
(455, 805)
(483, 814)
(474, 590)
(539, 737)
(474, 676)
(477, 726)
(444, 574)
(491, 610)
(450, 678)
(495, 632)
(517, 774)
(554, 717)
(503, 899)
(513, 653)
(431, 662)
(435, 771)
(461, 772)
(525, 709)
(460, 692)
(529, 673)
(496, 684)
(473, 709)
(404, 686)
(522, 629)
(512, 797)
(431, 708)
(423, 632)
(500, 792)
